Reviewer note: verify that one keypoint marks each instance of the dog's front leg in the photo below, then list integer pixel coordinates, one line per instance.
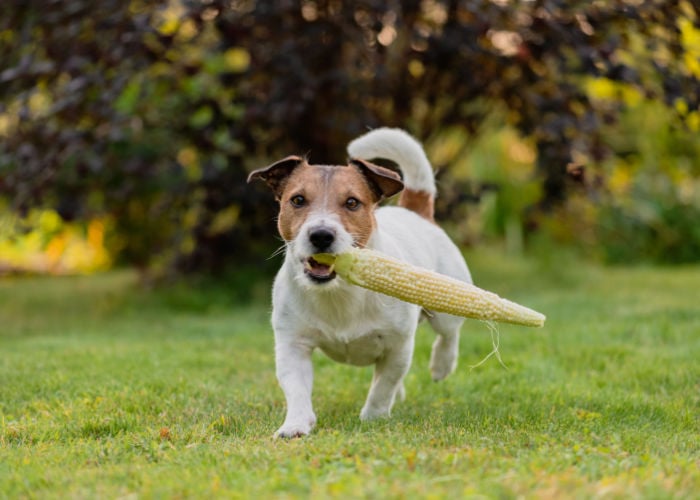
(295, 376)
(387, 383)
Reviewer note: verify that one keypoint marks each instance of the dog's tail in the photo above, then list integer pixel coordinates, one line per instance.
(396, 145)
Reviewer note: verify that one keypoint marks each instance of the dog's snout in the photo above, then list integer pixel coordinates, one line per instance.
(322, 238)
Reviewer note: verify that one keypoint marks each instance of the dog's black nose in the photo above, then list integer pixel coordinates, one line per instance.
(322, 239)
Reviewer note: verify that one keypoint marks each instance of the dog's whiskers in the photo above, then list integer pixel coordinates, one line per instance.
(279, 251)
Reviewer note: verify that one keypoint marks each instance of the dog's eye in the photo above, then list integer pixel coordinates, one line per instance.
(352, 203)
(298, 201)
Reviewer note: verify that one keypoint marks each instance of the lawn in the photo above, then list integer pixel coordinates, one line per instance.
(109, 390)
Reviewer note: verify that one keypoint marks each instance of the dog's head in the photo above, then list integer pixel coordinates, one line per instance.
(326, 209)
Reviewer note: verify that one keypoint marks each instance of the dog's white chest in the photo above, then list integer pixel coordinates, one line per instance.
(362, 351)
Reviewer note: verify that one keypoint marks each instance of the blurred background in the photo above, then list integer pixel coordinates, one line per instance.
(128, 128)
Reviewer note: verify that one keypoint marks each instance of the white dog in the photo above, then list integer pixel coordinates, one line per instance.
(331, 209)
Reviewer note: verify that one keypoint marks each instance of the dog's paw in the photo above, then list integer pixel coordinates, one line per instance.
(443, 359)
(369, 413)
(441, 371)
(289, 432)
(295, 429)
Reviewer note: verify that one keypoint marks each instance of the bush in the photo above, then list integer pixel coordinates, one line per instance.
(152, 113)
(651, 223)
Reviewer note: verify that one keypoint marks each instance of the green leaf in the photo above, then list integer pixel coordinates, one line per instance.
(202, 117)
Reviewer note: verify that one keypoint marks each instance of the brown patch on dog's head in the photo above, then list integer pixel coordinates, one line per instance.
(331, 190)
(348, 193)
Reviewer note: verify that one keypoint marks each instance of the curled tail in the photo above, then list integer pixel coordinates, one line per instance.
(398, 146)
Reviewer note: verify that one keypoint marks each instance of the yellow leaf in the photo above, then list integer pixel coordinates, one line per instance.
(416, 68)
(224, 220)
(169, 27)
(236, 59)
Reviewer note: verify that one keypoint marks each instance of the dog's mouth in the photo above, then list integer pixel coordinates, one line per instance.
(320, 273)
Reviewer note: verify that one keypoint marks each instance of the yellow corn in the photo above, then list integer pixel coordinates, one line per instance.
(433, 291)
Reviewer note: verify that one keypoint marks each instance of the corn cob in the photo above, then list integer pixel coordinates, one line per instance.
(433, 291)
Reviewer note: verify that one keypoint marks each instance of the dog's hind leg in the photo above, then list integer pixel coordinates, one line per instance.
(443, 359)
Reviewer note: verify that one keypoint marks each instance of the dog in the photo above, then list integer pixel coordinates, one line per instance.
(330, 209)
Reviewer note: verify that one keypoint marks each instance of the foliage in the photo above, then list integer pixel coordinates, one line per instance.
(158, 110)
(641, 205)
(43, 242)
(651, 206)
(496, 185)
(645, 202)
(138, 131)
(112, 391)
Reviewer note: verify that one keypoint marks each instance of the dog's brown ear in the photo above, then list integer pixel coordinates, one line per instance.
(277, 174)
(383, 181)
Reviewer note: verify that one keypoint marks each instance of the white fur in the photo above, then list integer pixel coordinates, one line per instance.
(353, 325)
(398, 146)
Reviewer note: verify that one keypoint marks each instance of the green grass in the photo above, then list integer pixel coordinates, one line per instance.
(107, 390)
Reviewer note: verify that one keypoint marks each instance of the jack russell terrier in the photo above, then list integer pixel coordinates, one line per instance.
(329, 209)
